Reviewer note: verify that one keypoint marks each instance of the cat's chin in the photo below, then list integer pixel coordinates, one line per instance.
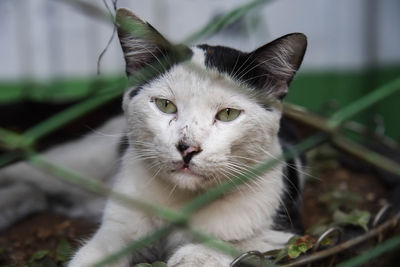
(186, 179)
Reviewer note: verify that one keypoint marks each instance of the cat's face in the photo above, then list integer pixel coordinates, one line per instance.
(206, 119)
(219, 144)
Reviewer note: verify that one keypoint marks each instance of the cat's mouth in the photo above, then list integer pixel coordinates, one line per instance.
(184, 168)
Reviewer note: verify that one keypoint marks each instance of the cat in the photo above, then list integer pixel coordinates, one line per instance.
(191, 127)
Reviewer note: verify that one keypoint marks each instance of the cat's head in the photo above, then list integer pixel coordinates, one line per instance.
(200, 121)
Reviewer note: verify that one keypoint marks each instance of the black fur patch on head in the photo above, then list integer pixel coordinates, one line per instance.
(224, 59)
(233, 62)
(241, 66)
(270, 67)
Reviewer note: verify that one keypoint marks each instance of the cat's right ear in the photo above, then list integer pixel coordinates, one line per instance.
(142, 44)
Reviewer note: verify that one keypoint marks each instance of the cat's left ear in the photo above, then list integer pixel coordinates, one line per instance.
(143, 45)
(278, 62)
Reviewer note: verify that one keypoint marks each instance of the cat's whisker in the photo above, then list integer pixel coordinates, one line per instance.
(256, 77)
(242, 169)
(171, 192)
(234, 66)
(216, 178)
(228, 176)
(239, 173)
(240, 70)
(255, 66)
(153, 176)
(292, 166)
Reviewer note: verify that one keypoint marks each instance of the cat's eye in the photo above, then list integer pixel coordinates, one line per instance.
(165, 105)
(228, 114)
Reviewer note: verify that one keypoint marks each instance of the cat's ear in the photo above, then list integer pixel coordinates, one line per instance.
(278, 62)
(142, 44)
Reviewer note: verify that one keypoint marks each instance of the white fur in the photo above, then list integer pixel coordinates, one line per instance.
(242, 217)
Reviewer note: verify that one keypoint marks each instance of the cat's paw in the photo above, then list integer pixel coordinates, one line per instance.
(88, 256)
(196, 255)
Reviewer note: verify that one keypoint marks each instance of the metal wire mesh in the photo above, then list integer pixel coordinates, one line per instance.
(22, 146)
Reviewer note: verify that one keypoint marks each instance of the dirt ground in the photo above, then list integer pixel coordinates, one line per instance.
(45, 231)
(41, 232)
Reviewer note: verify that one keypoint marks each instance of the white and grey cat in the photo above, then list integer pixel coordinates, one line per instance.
(192, 127)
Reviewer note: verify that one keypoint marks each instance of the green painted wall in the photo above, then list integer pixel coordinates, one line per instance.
(324, 92)
(321, 92)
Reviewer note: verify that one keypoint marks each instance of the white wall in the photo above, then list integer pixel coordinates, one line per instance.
(47, 38)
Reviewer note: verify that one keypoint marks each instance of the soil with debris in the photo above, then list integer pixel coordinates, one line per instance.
(44, 232)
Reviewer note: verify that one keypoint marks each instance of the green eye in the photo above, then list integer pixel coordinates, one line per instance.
(228, 114)
(166, 106)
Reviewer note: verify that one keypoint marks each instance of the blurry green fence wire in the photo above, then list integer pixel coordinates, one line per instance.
(22, 145)
(364, 257)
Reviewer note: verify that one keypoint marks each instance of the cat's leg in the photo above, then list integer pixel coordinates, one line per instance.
(121, 225)
(198, 255)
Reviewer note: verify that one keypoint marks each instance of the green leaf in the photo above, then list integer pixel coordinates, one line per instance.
(302, 247)
(63, 251)
(45, 262)
(39, 255)
(143, 265)
(336, 199)
(293, 251)
(299, 245)
(355, 217)
(159, 264)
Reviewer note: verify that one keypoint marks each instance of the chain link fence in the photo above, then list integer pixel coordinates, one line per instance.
(329, 130)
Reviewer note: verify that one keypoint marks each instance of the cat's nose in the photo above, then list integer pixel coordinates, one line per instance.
(187, 151)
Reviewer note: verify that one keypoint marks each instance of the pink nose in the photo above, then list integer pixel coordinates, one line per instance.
(187, 151)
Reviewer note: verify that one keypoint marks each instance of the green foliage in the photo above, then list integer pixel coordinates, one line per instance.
(64, 251)
(39, 255)
(295, 247)
(154, 264)
(356, 217)
(299, 245)
(339, 199)
(40, 258)
(159, 264)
